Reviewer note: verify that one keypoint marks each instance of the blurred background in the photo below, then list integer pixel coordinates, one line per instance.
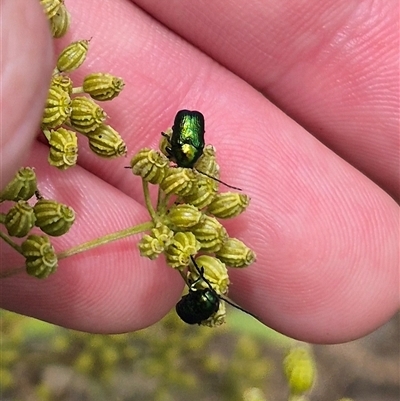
(240, 361)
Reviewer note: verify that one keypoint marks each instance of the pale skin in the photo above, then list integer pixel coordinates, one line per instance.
(318, 154)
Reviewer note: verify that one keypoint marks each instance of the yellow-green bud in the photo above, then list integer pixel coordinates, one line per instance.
(299, 369)
(62, 81)
(51, 7)
(203, 192)
(228, 204)
(178, 181)
(207, 162)
(21, 187)
(86, 115)
(73, 56)
(214, 271)
(40, 256)
(53, 218)
(184, 216)
(150, 165)
(20, 219)
(59, 23)
(102, 86)
(182, 246)
(235, 253)
(210, 233)
(63, 148)
(165, 142)
(57, 108)
(152, 245)
(105, 141)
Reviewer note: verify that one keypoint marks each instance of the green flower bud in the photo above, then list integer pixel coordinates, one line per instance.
(57, 108)
(53, 218)
(62, 81)
(202, 193)
(183, 216)
(59, 23)
(210, 233)
(63, 148)
(102, 86)
(73, 56)
(228, 204)
(21, 187)
(299, 369)
(159, 239)
(105, 141)
(40, 256)
(20, 219)
(207, 162)
(182, 246)
(235, 253)
(51, 7)
(150, 165)
(86, 115)
(178, 181)
(214, 271)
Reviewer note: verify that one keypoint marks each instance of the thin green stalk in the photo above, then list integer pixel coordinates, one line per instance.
(10, 242)
(147, 199)
(106, 239)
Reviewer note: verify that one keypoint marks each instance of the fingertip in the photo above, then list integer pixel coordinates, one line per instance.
(26, 64)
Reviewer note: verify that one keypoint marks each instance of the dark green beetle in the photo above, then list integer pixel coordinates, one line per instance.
(200, 304)
(187, 139)
(186, 143)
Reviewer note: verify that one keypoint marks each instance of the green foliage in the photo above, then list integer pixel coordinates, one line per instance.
(168, 361)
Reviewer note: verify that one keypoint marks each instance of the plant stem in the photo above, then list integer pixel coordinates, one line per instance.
(10, 242)
(106, 239)
(147, 199)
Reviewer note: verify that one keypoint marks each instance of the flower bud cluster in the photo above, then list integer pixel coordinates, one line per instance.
(66, 113)
(51, 217)
(187, 221)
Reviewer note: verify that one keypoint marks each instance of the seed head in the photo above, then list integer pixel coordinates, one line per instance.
(214, 271)
(183, 217)
(102, 86)
(235, 253)
(21, 187)
(51, 7)
(183, 245)
(86, 115)
(73, 56)
(106, 142)
(57, 108)
(63, 148)
(20, 219)
(178, 181)
(151, 246)
(228, 204)
(40, 257)
(210, 233)
(52, 217)
(150, 165)
(59, 23)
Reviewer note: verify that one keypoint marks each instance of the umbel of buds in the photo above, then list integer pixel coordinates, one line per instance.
(66, 113)
(186, 222)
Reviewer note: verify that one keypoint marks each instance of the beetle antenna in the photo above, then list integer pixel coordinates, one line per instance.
(200, 270)
(216, 179)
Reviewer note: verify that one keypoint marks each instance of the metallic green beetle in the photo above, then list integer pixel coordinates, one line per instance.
(187, 139)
